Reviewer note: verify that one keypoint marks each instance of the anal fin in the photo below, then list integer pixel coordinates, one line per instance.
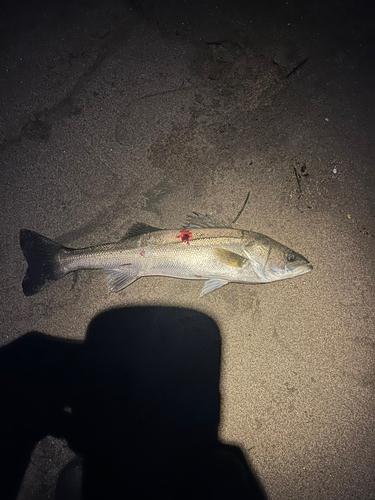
(119, 278)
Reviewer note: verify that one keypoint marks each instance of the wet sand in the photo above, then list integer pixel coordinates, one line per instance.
(122, 113)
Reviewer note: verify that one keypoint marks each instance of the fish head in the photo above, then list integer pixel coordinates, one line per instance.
(273, 261)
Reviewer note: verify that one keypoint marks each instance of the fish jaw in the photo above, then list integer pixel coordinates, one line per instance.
(301, 269)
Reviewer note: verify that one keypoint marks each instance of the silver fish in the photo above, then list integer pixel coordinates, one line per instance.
(205, 249)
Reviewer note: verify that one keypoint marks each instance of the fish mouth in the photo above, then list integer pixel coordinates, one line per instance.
(303, 269)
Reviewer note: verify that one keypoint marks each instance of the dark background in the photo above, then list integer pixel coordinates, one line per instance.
(138, 401)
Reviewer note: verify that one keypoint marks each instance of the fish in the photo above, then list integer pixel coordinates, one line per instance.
(205, 248)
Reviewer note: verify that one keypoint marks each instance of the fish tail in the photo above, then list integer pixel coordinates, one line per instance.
(41, 254)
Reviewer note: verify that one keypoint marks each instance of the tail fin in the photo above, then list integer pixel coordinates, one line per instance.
(41, 254)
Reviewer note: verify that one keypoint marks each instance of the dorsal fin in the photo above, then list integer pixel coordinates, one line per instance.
(140, 228)
(198, 221)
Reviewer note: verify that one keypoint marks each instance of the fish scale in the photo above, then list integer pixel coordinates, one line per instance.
(194, 259)
(199, 250)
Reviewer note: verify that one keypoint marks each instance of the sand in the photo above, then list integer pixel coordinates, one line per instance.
(117, 113)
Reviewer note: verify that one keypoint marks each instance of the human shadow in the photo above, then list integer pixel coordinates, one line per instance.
(138, 401)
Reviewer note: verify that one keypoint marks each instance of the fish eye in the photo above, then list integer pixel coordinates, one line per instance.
(290, 257)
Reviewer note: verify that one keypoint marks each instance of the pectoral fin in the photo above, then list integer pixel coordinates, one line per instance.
(229, 258)
(117, 279)
(212, 285)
